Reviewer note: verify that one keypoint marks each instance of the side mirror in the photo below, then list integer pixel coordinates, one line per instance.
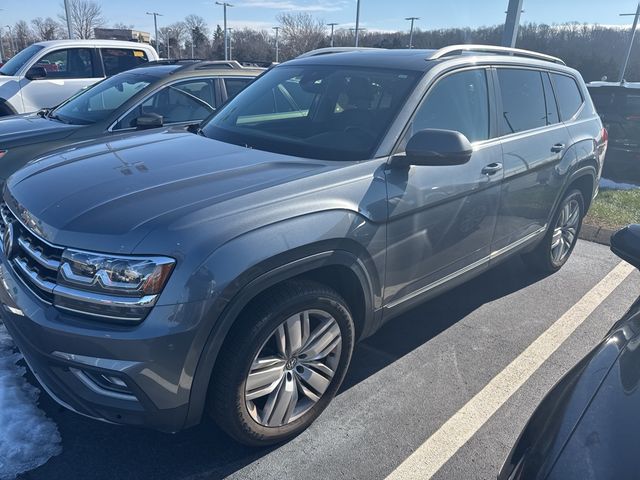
(149, 120)
(436, 148)
(625, 243)
(36, 73)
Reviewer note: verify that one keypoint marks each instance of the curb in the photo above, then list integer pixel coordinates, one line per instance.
(595, 234)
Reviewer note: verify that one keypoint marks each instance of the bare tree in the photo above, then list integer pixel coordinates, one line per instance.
(300, 32)
(47, 28)
(86, 15)
(23, 34)
(173, 36)
(197, 35)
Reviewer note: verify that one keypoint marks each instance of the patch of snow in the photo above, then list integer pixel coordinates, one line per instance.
(605, 183)
(28, 438)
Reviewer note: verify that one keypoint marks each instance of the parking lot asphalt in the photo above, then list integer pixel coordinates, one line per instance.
(404, 384)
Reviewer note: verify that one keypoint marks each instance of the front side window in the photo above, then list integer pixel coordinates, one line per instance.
(459, 102)
(568, 95)
(187, 101)
(523, 100)
(323, 112)
(98, 102)
(17, 61)
(118, 60)
(68, 63)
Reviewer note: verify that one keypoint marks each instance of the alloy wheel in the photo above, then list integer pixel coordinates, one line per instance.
(293, 368)
(565, 231)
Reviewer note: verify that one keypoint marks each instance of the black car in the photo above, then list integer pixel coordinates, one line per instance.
(587, 426)
(160, 93)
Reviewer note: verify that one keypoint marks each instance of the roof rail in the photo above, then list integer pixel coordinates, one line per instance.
(328, 50)
(447, 51)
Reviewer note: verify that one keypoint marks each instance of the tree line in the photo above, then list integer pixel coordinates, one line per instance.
(595, 50)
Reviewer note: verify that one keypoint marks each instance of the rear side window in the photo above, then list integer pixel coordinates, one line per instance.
(568, 95)
(523, 100)
(68, 63)
(235, 85)
(458, 102)
(118, 60)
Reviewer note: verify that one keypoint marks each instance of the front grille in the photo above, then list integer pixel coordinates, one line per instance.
(33, 259)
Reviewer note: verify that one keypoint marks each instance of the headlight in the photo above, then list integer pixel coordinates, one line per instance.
(114, 287)
(131, 276)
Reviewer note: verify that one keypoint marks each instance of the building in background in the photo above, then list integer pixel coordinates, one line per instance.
(122, 34)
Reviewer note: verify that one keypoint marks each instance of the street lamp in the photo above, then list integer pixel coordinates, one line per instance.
(332, 25)
(226, 40)
(277, 29)
(412, 19)
(155, 25)
(11, 39)
(1, 45)
(357, 21)
(230, 43)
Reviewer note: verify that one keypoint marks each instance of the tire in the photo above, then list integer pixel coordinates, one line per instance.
(259, 333)
(544, 258)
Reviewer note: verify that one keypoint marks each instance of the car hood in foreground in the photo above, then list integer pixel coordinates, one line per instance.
(109, 195)
(18, 130)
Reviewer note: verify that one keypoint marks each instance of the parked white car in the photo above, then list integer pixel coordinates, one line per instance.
(47, 73)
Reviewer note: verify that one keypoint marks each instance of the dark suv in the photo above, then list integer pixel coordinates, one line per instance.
(232, 270)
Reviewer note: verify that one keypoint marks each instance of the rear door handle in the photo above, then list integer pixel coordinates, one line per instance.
(492, 168)
(557, 148)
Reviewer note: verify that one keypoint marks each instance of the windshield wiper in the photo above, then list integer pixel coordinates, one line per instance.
(43, 112)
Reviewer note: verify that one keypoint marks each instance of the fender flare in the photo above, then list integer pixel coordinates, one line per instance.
(247, 292)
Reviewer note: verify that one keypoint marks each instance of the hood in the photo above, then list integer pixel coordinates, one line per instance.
(108, 196)
(18, 130)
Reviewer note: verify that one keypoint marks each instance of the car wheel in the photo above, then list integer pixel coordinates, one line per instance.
(555, 248)
(282, 363)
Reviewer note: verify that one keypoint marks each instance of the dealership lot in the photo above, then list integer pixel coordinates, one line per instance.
(404, 384)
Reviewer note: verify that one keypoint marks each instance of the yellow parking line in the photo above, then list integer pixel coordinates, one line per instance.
(455, 432)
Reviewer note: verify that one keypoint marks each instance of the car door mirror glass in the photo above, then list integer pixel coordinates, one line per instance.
(149, 120)
(625, 243)
(436, 147)
(36, 73)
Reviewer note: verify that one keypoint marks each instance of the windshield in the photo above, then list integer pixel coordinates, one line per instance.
(98, 102)
(320, 112)
(18, 60)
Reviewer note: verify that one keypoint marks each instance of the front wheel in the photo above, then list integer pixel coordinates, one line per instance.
(282, 363)
(555, 248)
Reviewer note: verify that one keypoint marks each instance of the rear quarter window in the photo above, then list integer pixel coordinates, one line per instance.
(118, 60)
(568, 95)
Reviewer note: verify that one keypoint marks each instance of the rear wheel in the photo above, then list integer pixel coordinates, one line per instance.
(556, 247)
(282, 364)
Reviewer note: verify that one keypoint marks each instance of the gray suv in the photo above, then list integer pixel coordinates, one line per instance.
(231, 270)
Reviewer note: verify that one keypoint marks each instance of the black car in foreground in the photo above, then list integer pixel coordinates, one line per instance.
(168, 92)
(587, 427)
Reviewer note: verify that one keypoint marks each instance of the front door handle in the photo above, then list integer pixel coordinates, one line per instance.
(492, 168)
(557, 148)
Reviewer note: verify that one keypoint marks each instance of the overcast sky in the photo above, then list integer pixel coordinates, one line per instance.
(375, 14)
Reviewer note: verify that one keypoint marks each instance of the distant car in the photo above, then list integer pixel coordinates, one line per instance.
(47, 73)
(618, 104)
(588, 425)
(155, 95)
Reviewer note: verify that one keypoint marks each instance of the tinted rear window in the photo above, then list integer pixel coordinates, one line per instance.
(118, 60)
(523, 100)
(568, 95)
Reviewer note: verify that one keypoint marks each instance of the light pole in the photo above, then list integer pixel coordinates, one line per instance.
(332, 25)
(1, 44)
(11, 40)
(155, 25)
(277, 29)
(412, 19)
(623, 70)
(357, 21)
(511, 24)
(230, 43)
(68, 14)
(226, 40)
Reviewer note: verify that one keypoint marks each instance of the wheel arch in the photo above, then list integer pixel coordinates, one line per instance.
(338, 268)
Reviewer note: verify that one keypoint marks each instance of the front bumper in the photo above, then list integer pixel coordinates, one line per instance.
(152, 364)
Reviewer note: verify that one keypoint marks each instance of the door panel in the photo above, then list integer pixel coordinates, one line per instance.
(533, 147)
(442, 218)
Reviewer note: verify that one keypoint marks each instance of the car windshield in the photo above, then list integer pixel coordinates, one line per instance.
(98, 102)
(320, 112)
(18, 60)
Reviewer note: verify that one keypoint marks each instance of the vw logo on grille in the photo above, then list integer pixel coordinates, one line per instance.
(8, 240)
